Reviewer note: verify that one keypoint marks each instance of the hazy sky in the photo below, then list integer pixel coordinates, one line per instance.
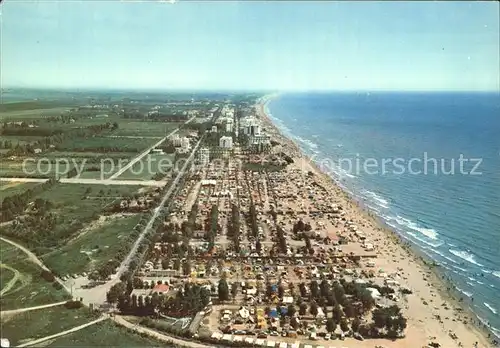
(254, 45)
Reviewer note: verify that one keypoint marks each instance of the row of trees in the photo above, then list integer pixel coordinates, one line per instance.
(211, 226)
(187, 301)
(234, 227)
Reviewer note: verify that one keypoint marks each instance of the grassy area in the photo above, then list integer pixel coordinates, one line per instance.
(151, 129)
(105, 334)
(71, 213)
(30, 289)
(146, 168)
(106, 144)
(36, 324)
(93, 248)
(13, 188)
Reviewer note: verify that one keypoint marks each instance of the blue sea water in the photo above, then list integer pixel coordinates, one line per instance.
(452, 214)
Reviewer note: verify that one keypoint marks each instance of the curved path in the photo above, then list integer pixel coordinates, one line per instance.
(11, 282)
(62, 333)
(33, 258)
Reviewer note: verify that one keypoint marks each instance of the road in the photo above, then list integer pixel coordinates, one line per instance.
(157, 335)
(27, 309)
(98, 294)
(157, 183)
(11, 282)
(33, 258)
(144, 153)
(62, 333)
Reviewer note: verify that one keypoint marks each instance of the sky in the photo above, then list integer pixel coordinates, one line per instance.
(253, 45)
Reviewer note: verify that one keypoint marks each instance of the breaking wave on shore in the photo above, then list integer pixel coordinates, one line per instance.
(467, 256)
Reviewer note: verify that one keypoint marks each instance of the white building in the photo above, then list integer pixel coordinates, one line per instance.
(185, 143)
(176, 140)
(214, 129)
(203, 156)
(229, 125)
(226, 142)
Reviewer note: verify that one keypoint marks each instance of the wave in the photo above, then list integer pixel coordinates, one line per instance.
(465, 256)
(307, 142)
(490, 307)
(466, 293)
(434, 245)
(428, 232)
(496, 273)
(378, 200)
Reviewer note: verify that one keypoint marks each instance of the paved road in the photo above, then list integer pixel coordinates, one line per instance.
(62, 333)
(98, 293)
(157, 183)
(144, 153)
(159, 336)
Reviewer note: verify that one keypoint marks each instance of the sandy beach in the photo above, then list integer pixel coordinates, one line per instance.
(432, 312)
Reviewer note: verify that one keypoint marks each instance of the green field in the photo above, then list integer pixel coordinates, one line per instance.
(30, 289)
(146, 168)
(28, 326)
(30, 111)
(105, 334)
(71, 211)
(147, 129)
(93, 248)
(106, 144)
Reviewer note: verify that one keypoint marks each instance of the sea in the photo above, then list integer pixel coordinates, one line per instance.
(427, 164)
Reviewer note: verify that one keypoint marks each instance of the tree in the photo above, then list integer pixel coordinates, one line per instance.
(337, 314)
(343, 325)
(314, 308)
(355, 324)
(349, 310)
(314, 289)
(330, 325)
(115, 292)
(234, 290)
(303, 309)
(223, 290)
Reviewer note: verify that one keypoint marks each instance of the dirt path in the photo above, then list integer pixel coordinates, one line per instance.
(62, 333)
(11, 282)
(28, 309)
(33, 258)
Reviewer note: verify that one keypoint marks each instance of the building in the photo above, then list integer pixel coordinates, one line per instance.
(214, 129)
(229, 125)
(203, 156)
(185, 143)
(176, 140)
(226, 142)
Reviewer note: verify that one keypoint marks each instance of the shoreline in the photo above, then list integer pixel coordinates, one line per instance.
(433, 276)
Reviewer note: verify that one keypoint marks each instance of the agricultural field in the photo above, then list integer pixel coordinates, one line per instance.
(94, 246)
(21, 281)
(30, 111)
(104, 334)
(144, 129)
(148, 167)
(28, 326)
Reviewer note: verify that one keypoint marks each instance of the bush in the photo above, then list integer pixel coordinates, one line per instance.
(73, 304)
(48, 276)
